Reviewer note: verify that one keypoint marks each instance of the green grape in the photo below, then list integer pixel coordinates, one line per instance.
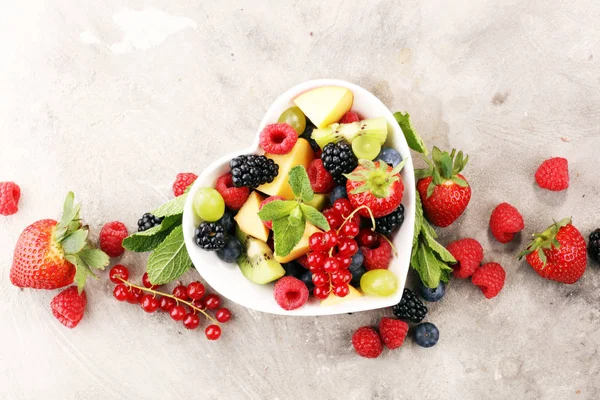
(365, 147)
(295, 118)
(379, 282)
(209, 204)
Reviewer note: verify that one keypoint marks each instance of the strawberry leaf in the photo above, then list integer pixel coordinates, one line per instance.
(73, 243)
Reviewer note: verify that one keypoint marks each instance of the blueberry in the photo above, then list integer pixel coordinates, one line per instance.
(389, 156)
(293, 269)
(338, 192)
(306, 277)
(231, 252)
(357, 273)
(433, 294)
(357, 260)
(426, 334)
(227, 221)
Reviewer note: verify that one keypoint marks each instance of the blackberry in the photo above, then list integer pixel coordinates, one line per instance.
(594, 245)
(210, 236)
(148, 221)
(252, 170)
(339, 159)
(386, 224)
(410, 307)
(307, 134)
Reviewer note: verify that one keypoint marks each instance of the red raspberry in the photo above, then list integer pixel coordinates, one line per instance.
(490, 279)
(278, 138)
(321, 180)
(182, 181)
(553, 174)
(233, 197)
(111, 238)
(349, 117)
(269, 224)
(290, 293)
(393, 332)
(10, 193)
(68, 306)
(469, 253)
(505, 222)
(367, 343)
(377, 256)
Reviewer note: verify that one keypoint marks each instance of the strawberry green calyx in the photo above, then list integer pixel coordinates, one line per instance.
(545, 240)
(443, 167)
(376, 177)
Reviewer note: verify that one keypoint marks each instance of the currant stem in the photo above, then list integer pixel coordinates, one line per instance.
(354, 212)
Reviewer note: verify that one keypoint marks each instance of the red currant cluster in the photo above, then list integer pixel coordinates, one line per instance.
(192, 296)
(331, 252)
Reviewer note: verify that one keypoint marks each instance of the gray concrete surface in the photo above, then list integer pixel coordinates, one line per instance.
(112, 98)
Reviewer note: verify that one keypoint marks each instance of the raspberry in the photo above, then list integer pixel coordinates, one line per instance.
(278, 138)
(469, 253)
(393, 332)
(378, 257)
(68, 306)
(367, 343)
(269, 224)
(490, 279)
(505, 222)
(290, 293)
(321, 181)
(349, 117)
(111, 238)
(553, 174)
(182, 181)
(10, 193)
(234, 197)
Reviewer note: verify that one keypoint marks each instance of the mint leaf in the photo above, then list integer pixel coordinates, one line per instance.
(170, 259)
(429, 268)
(418, 219)
(314, 217)
(73, 243)
(300, 183)
(287, 235)
(277, 209)
(94, 258)
(413, 139)
(172, 207)
(437, 248)
(151, 238)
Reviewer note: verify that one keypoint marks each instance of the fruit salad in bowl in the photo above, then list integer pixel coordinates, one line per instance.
(317, 217)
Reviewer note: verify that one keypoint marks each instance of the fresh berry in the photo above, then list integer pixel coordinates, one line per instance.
(330, 239)
(389, 156)
(118, 271)
(321, 180)
(367, 342)
(252, 170)
(177, 313)
(357, 273)
(388, 223)
(341, 291)
(505, 222)
(445, 198)
(316, 260)
(290, 293)
(594, 245)
(321, 292)
(393, 332)
(212, 332)
(341, 277)
(468, 254)
(234, 197)
(357, 260)
(490, 279)
(68, 306)
(426, 334)
(120, 292)
(212, 301)
(134, 295)
(349, 117)
(343, 207)
(333, 218)
(320, 279)
(434, 294)
(195, 290)
(210, 236)
(10, 193)
(344, 261)
(293, 268)
(148, 221)
(191, 321)
(339, 159)
(338, 192)
(307, 134)
(347, 247)
(182, 181)
(558, 253)
(366, 237)
(231, 251)
(111, 238)
(377, 186)
(331, 265)
(269, 224)
(349, 230)
(306, 277)
(146, 282)
(410, 307)
(553, 174)
(201, 304)
(180, 291)
(149, 303)
(378, 256)
(167, 304)
(278, 138)
(223, 315)
(227, 221)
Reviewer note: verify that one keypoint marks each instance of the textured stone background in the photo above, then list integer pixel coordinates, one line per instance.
(112, 98)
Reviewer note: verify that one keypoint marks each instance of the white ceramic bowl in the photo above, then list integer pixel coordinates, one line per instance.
(227, 278)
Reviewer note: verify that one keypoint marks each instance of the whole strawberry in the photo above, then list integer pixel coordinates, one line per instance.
(558, 253)
(445, 193)
(377, 186)
(51, 254)
(68, 306)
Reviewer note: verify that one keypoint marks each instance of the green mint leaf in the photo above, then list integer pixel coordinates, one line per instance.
(438, 249)
(287, 235)
(413, 139)
(172, 207)
(300, 183)
(169, 260)
(428, 230)
(94, 258)
(418, 220)
(73, 243)
(277, 209)
(429, 268)
(314, 217)
(151, 238)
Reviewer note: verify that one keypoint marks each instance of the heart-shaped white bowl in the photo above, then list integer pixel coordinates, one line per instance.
(227, 278)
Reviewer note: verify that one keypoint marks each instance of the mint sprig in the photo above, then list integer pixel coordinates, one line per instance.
(169, 260)
(150, 239)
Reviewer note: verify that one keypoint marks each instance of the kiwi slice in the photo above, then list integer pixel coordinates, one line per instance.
(374, 128)
(257, 262)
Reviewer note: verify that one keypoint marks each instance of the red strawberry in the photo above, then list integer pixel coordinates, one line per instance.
(182, 181)
(68, 306)
(367, 342)
(468, 253)
(321, 180)
(490, 279)
(378, 255)
(393, 332)
(505, 222)
(234, 197)
(50, 254)
(445, 193)
(553, 174)
(377, 186)
(559, 253)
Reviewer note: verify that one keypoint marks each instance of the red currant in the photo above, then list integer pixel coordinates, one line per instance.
(316, 260)
(134, 295)
(146, 282)
(341, 277)
(341, 291)
(118, 271)
(334, 220)
(223, 315)
(315, 242)
(199, 304)
(320, 279)
(366, 237)
(350, 229)
(180, 292)
(195, 290)
(177, 313)
(342, 207)
(120, 292)
(149, 303)
(191, 321)
(345, 261)
(167, 303)
(347, 247)
(212, 332)
(212, 301)
(321, 292)
(331, 265)
(330, 239)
